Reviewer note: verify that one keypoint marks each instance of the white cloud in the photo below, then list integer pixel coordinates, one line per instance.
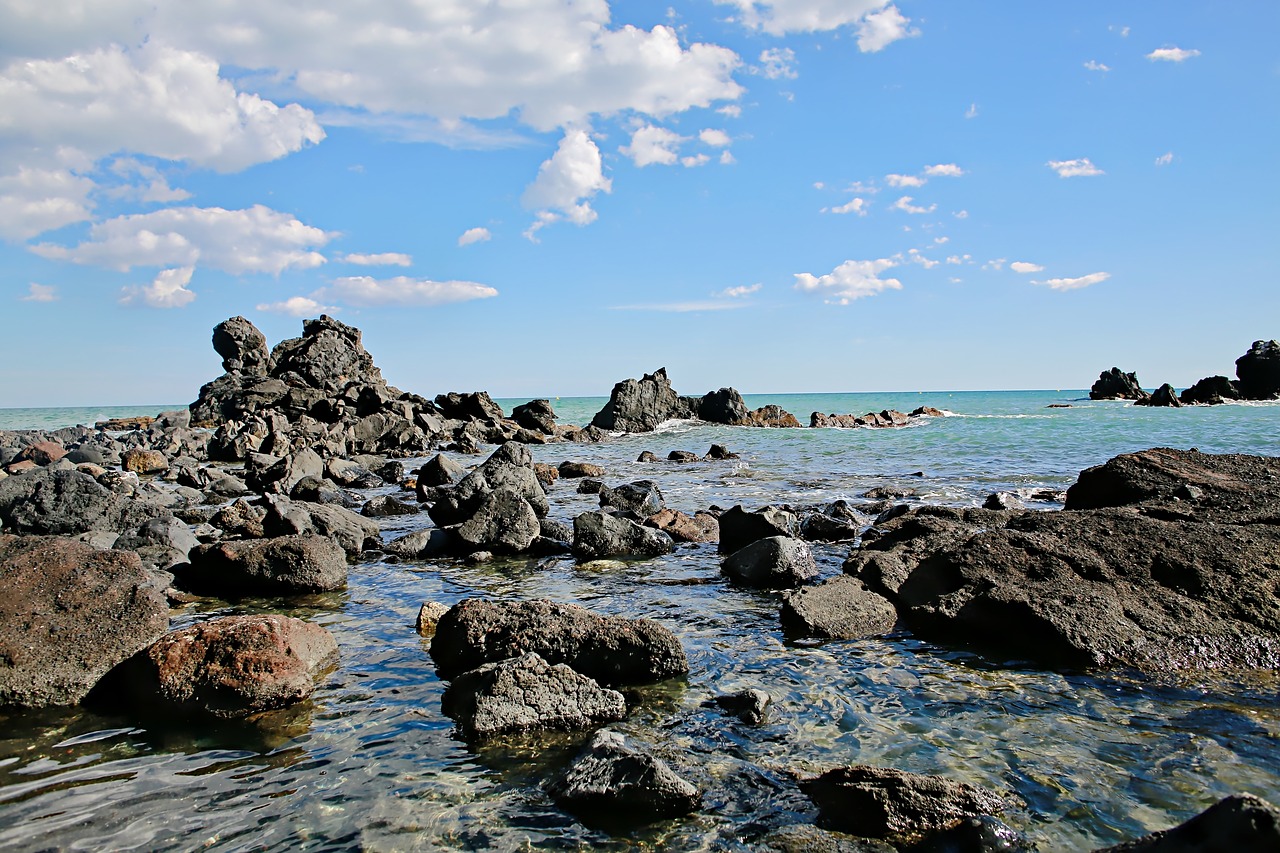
(653, 145)
(904, 180)
(566, 183)
(143, 183)
(972, 112)
(740, 291)
(474, 235)
(727, 158)
(715, 138)
(256, 239)
(1082, 167)
(961, 214)
(916, 258)
(995, 264)
(385, 259)
(1165, 159)
(881, 29)
(1094, 65)
(298, 306)
(1074, 283)
(1025, 267)
(34, 200)
(857, 205)
(365, 291)
(168, 290)
(849, 281)
(941, 241)
(904, 204)
(778, 63)
(779, 17)
(1171, 54)
(944, 170)
(1123, 31)
(694, 161)
(40, 293)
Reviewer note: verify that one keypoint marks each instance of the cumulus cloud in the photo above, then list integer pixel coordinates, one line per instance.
(474, 235)
(778, 63)
(849, 281)
(298, 306)
(652, 145)
(857, 205)
(740, 291)
(881, 29)
(1079, 168)
(34, 200)
(566, 183)
(904, 180)
(878, 23)
(727, 158)
(1165, 159)
(944, 170)
(904, 204)
(695, 160)
(1074, 283)
(40, 293)
(1025, 267)
(1172, 54)
(385, 259)
(715, 138)
(257, 239)
(168, 290)
(366, 291)
(1094, 65)
(915, 257)
(143, 182)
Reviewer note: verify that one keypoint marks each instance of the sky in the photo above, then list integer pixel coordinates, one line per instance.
(544, 197)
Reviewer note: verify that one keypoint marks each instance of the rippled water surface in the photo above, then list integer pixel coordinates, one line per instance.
(371, 763)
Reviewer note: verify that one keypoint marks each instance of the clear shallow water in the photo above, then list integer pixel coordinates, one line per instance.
(370, 763)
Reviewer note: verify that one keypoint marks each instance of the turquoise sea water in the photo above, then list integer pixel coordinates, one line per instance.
(370, 763)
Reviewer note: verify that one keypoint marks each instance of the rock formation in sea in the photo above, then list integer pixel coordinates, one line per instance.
(1259, 371)
(640, 405)
(1114, 384)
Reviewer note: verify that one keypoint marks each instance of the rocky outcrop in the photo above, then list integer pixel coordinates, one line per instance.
(526, 693)
(243, 348)
(772, 416)
(1241, 823)
(876, 802)
(510, 467)
(639, 405)
(841, 608)
(599, 535)
(610, 649)
(1114, 384)
(1259, 371)
(68, 614)
(1211, 391)
(775, 562)
(615, 784)
(876, 420)
(536, 415)
(723, 407)
(1162, 396)
(287, 565)
(61, 502)
(739, 528)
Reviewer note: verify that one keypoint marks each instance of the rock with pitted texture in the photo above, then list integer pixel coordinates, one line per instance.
(841, 608)
(286, 565)
(775, 562)
(60, 503)
(639, 405)
(598, 535)
(613, 783)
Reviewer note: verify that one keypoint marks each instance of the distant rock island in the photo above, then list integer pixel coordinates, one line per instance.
(1257, 378)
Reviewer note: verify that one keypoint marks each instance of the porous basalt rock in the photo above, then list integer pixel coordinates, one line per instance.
(285, 565)
(639, 405)
(1114, 384)
(613, 783)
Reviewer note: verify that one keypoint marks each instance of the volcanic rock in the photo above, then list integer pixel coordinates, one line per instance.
(1163, 396)
(573, 470)
(841, 608)
(1259, 371)
(54, 502)
(1211, 391)
(1241, 823)
(640, 405)
(641, 498)
(509, 467)
(597, 535)
(615, 783)
(1114, 384)
(243, 348)
(775, 562)
(504, 522)
(285, 565)
(739, 528)
(702, 527)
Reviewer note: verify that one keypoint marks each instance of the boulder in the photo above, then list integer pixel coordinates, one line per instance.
(141, 461)
(428, 617)
(598, 535)
(876, 802)
(1114, 384)
(285, 565)
(350, 474)
(160, 542)
(504, 523)
(509, 467)
(477, 405)
(739, 528)
(683, 456)
(1241, 823)
(243, 348)
(353, 532)
(278, 476)
(574, 470)
(60, 503)
(526, 693)
(640, 405)
(313, 490)
(536, 415)
(610, 649)
(1003, 501)
(1259, 371)
(641, 498)
(775, 562)
(723, 407)
(822, 527)
(719, 451)
(69, 613)
(424, 544)
(1211, 391)
(841, 608)
(772, 416)
(440, 470)
(751, 706)
(702, 527)
(386, 506)
(236, 665)
(43, 453)
(1163, 396)
(613, 783)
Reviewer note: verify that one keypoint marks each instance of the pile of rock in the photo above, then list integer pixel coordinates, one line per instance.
(640, 405)
(1114, 384)
(1257, 372)
(886, 418)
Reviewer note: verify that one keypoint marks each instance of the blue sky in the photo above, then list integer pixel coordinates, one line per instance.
(538, 198)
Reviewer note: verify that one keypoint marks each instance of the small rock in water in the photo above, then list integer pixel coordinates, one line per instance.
(683, 456)
(719, 451)
(750, 705)
(647, 456)
(428, 616)
(1003, 501)
(613, 783)
(777, 562)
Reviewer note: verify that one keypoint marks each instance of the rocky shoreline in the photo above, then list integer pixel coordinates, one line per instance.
(1161, 561)
(1257, 378)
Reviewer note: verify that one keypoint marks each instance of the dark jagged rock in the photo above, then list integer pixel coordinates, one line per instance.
(610, 649)
(876, 802)
(69, 613)
(60, 503)
(739, 528)
(352, 532)
(160, 542)
(986, 834)
(503, 522)
(597, 535)
(1003, 501)
(641, 498)
(243, 348)
(386, 506)
(640, 405)
(613, 783)
(719, 451)
(885, 418)
(1211, 391)
(1114, 384)
(750, 705)
(775, 562)
(1163, 396)
(723, 407)
(841, 608)
(821, 527)
(329, 357)
(477, 405)
(1241, 823)
(1259, 371)
(683, 456)
(508, 467)
(526, 693)
(285, 565)
(806, 838)
(440, 470)
(536, 415)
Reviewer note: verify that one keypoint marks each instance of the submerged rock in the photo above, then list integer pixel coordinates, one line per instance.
(641, 498)
(613, 783)
(841, 608)
(751, 706)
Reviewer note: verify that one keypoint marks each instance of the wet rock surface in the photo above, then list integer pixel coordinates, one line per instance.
(841, 608)
(613, 783)
(775, 562)
(1239, 824)
(287, 565)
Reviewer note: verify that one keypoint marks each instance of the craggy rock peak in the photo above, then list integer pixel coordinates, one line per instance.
(242, 347)
(1114, 385)
(641, 405)
(1163, 560)
(1211, 391)
(1259, 371)
(328, 356)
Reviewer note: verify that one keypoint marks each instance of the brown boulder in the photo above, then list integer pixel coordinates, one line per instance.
(144, 461)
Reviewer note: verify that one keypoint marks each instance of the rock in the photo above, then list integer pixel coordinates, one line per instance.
(1259, 371)
(610, 649)
(503, 522)
(841, 608)
(772, 416)
(1003, 501)
(930, 412)
(87, 454)
(640, 405)
(820, 527)
(43, 453)
(385, 507)
(429, 616)
(805, 838)
(590, 487)
(536, 415)
(646, 457)
(723, 407)
(683, 456)
(313, 490)
(739, 528)
(1211, 391)
(775, 562)
(61, 503)
(237, 665)
(526, 693)
(641, 498)
(1241, 823)
(509, 467)
(240, 520)
(142, 461)
(1163, 396)
(424, 544)
(614, 783)
(719, 451)
(474, 406)
(875, 802)
(285, 565)
(1115, 385)
(888, 493)
(545, 473)
(702, 527)
(350, 474)
(558, 530)
(225, 488)
(574, 470)
(440, 470)
(243, 348)
(69, 613)
(160, 543)
(352, 532)
(597, 535)
(329, 356)
(985, 834)
(279, 476)
(750, 705)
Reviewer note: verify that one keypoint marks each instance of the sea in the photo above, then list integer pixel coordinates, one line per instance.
(1086, 759)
